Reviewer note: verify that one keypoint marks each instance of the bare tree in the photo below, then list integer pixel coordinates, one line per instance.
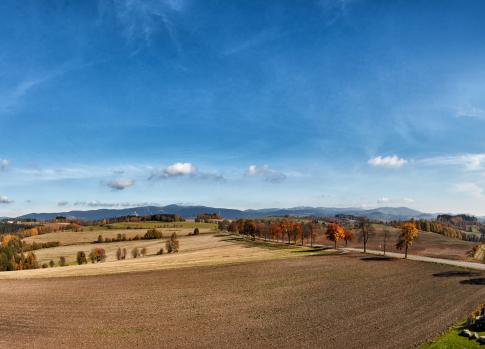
(386, 235)
(366, 231)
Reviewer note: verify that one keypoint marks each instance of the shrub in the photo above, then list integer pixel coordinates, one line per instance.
(118, 253)
(134, 252)
(123, 255)
(97, 255)
(196, 231)
(100, 238)
(143, 251)
(52, 263)
(45, 265)
(153, 234)
(62, 261)
(160, 251)
(81, 258)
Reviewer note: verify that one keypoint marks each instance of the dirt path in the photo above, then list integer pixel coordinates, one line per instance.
(461, 264)
(348, 301)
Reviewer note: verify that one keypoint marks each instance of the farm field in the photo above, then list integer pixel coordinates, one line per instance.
(205, 249)
(345, 301)
(87, 236)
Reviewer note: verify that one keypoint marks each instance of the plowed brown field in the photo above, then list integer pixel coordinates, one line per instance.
(346, 301)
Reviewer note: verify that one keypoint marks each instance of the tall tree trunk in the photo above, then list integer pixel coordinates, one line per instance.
(406, 252)
(335, 244)
(365, 245)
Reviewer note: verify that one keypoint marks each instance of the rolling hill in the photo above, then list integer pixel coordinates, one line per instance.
(381, 213)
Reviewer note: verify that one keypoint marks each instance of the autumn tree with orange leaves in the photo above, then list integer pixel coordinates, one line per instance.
(347, 236)
(335, 233)
(286, 228)
(407, 236)
(275, 231)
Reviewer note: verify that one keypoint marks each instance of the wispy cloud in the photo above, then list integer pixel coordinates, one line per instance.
(334, 10)
(470, 162)
(96, 204)
(269, 174)
(144, 19)
(257, 40)
(62, 203)
(387, 161)
(386, 200)
(5, 200)
(471, 112)
(120, 183)
(471, 189)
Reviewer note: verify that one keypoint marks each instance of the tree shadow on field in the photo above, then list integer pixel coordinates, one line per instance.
(475, 281)
(377, 258)
(456, 273)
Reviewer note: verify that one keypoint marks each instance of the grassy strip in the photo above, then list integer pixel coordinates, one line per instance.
(296, 250)
(451, 339)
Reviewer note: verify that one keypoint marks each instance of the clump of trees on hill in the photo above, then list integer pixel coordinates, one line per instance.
(165, 217)
(149, 235)
(15, 254)
(207, 217)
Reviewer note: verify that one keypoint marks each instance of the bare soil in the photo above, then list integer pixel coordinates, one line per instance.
(346, 301)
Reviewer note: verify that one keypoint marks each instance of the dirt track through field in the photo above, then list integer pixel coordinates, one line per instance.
(347, 301)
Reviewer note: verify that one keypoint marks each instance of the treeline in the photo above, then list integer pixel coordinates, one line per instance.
(165, 217)
(12, 256)
(207, 217)
(149, 235)
(25, 246)
(284, 230)
(11, 228)
(443, 227)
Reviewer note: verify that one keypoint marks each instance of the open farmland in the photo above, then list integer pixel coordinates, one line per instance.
(88, 236)
(346, 301)
(199, 250)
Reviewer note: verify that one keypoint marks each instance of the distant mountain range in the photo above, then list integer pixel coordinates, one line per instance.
(381, 213)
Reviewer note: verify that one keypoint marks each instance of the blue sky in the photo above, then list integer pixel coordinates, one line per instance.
(243, 104)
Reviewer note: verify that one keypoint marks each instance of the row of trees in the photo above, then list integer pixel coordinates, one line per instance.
(149, 235)
(290, 231)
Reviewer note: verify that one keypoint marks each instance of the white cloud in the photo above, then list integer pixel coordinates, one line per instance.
(252, 170)
(408, 200)
(4, 164)
(179, 169)
(5, 200)
(266, 172)
(471, 189)
(387, 161)
(386, 200)
(120, 183)
(184, 169)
